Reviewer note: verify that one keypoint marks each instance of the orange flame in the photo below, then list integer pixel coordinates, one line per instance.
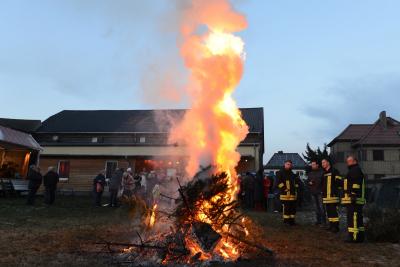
(213, 127)
(153, 216)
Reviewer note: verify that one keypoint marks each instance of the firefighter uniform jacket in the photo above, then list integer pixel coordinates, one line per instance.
(354, 186)
(331, 184)
(288, 184)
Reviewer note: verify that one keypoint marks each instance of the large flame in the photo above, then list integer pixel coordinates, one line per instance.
(213, 127)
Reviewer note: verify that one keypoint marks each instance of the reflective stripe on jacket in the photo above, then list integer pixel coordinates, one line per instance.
(330, 186)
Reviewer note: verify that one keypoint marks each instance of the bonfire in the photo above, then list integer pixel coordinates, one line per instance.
(204, 224)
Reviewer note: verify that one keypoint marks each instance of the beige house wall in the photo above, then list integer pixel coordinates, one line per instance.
(389, 167)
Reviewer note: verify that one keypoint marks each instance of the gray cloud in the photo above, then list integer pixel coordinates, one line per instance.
(354, 101)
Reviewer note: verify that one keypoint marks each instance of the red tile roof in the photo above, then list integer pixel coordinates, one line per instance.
(371, 134)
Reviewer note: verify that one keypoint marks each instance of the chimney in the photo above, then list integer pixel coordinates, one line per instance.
(280, 152)
(383, 119)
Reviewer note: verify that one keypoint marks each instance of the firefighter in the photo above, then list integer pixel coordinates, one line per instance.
(354, 200)
(331, 183)
(288, 184)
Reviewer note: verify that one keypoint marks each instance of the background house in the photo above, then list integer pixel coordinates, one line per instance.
(278, 160)
(376, 145)
(18, 149)
(81, 143)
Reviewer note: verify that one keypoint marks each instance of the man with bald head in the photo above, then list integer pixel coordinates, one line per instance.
(354, 200)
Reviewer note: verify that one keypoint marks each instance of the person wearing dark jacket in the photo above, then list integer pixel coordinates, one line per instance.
(35, 180)
(354, 200)
(248, 188)
(331, 184)
(115, 186)
(50, 181)
(98, 188)
(314, 183)
(288, 184)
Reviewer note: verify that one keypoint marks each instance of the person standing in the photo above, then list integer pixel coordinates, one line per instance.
(288, 186)
(128, 183)
(354, 200)
(266, 188)
(114, 187)
(98, 188)
(50, 181)
(314, 182)
(330, 194)
(248, 186)
(35, 180)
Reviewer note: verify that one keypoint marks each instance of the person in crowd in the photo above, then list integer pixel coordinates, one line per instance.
(50, 181)
(143, 180)
(259, 190)
(354, 200)
(99, 183)
(114, 187)
(266, 189)
(35, 180)
(331, 183)
(128, 184)
(314, 182)
(248, 190)
(288, 184)
(139, 191)
(150, 183)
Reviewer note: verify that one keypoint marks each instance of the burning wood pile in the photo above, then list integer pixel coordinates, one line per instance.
(203, 227)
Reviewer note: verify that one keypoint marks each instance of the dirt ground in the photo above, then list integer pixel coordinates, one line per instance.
(65, 235)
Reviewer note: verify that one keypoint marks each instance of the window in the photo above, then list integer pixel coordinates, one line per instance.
(362, 155)
(339, 157)
(142, 139)
(111, 166)
(63, 170)
(379, 176)
(94, 139)
(378, 155)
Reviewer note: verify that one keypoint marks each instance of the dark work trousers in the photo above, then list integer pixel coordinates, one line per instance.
(333, 215)
(266, 203)
(355, 224)
(289, 211)
(31, 195)
(320, 212)
(49, 195)
(249, 199)
(97, 198)
(113, 197)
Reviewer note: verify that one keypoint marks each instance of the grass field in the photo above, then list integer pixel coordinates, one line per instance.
(64, 235)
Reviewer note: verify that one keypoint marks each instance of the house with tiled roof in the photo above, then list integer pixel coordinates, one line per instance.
(377, 147)
(82, 142)
(278, 160)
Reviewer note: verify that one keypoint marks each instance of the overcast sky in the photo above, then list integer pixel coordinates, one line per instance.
(315, 66)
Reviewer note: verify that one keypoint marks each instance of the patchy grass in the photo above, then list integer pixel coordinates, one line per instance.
(64, 235)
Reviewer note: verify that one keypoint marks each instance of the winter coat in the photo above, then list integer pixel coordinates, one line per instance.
(35, 179)
(128, 182)
(331, 184)
(288, 184)
(314, 181)
(116, 180)
(50, 179)
(354, 186)
(99, 179)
